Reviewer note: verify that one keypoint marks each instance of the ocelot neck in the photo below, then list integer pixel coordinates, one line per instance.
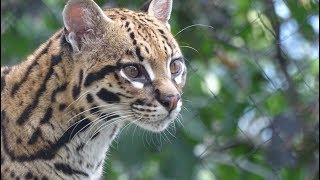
(48, 107)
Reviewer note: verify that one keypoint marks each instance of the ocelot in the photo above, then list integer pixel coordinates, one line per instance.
(63, 106)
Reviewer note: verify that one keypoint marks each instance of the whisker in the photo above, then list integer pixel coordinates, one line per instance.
(186, 100)
(104, 125)
(130, 123)
(112, 106)
(77, 123)
(152, 139)
(186, 109)
(174, 127)
(82, 95)
(179, 120)
(134, 121)
(191, 48)
(107, 124)
(99, 119)
(134, 132)
(193, 25)
(159, 140)
(169, 130)
(166, 137)
(127, 124)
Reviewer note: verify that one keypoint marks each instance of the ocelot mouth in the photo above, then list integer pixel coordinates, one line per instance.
(156, 124)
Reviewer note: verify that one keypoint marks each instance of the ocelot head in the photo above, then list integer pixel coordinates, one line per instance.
(128, 66)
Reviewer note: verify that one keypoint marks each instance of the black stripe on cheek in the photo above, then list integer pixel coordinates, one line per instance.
(47, 116)
(77, 88)
(17, 86)
(79, 126)
(48, 153)
(92, 77)
(56, 91)
(108, 96)
(25, 115)
(66, 169)
(35, 136)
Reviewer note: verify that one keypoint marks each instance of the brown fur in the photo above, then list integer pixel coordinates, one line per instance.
(38, 96)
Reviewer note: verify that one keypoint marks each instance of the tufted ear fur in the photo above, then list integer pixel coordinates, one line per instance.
(161, 9)
(83, 20)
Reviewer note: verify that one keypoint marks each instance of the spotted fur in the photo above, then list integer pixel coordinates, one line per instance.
(62, 107)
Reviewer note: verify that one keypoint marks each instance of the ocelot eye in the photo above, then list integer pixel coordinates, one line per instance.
(131, 71)
(175, 67)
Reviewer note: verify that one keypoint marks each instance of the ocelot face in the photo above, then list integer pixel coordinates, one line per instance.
(134, 68)
(155, 85)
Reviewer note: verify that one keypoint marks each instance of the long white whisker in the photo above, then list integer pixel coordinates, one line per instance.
(169, 130)
(112, 107)
(133, 133)
(77, 123)
(166, 137)
(193, 25)
(191, 48)
(104, 125)
(179, 121)
(134, 121)
(103, 117)
(107, 124)
(123, 119)
(82, 95)
(97, 120)
(130, 124)
(186, 109)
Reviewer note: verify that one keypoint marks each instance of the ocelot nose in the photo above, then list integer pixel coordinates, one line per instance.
(169, 101)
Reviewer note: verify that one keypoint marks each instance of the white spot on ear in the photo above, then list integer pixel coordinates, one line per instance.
(137, 85)
(149, 71)
(71, 38)
(161, 9)
(82, 18)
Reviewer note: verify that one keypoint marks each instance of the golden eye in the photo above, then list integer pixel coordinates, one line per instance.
(175, 67)
(131, 71)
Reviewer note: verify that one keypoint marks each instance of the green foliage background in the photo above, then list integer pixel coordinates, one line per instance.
(251, 100)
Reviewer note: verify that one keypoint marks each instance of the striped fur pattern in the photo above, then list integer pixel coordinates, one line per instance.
(63, 106)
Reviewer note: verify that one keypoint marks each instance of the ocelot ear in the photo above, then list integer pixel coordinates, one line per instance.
(161, 9)
(83, 19)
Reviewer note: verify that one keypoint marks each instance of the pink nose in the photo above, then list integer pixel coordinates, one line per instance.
(170, 101)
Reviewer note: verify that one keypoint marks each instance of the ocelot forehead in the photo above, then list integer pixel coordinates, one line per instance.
(151, 39)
